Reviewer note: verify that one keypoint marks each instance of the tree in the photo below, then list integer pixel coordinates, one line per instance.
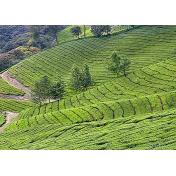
(114, 65)
(41, 90)
(81, 78)
(119, 65)
(38, 94)
(124, 66)
(57, 90)
(76, 31)
(107, 29)
(99, 30)
(86, 77)
(76, 78)
(84, 29)
(35, 30)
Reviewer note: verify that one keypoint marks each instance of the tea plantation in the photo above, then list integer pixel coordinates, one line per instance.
(137, 111)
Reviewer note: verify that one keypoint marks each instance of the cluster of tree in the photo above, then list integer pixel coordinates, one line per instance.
(77, 31)
(12, 36)
(99, 30)
(81, 77)
(45, 36)
(119, 65)
(44, 89)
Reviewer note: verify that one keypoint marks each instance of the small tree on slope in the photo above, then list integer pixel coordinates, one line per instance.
(76, 31)
(124, 66)
(41, 90)
(57, 90)
(81, 78)
(114, 65)
(99, 30)
(86, 78)
(119, 65)
(76, 78)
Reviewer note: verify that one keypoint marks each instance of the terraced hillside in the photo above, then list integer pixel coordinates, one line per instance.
(133, 112)
(6, 89)
(143, 46)
(140, 132)
(14, 105)
(121, 98)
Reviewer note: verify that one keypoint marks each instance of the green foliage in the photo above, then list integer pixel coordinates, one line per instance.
(14, 105)
(81, 78)
(114, 65)
(99, 30)
(119, 65)
(35, 30)
(44, 89)
(66, 35)
(76, 78)
(57, 90)
(41, 90)
(135, 111)
(124, 66)
(140, 45)
(86, 78)
(76, 31)
(107, 29)
(6, 89)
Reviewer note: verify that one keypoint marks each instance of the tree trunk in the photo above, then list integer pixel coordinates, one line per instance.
(125, 73)
(84, 31)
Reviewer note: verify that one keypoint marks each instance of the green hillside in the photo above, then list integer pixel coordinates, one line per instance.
(143, 46)
(5, 88)
(139, 132)
(133, 112)
(120, 98)
(14, 105)
(66, 35)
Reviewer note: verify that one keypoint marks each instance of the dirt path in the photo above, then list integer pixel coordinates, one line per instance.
(15, 83)
(9, 118)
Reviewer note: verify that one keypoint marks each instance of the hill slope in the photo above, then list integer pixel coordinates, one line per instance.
(143, 46)
(133, 112)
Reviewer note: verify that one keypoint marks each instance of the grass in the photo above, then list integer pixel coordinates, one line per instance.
(143, 46)
(133, 112)
(14, 105)
(6, 89)
(139, 132)
(154, 79)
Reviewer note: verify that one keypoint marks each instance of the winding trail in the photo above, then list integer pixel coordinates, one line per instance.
(9, 118)
(15, 83)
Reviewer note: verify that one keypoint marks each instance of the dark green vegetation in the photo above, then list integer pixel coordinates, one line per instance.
(45, 90)
(135, 110)
(18, 42)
